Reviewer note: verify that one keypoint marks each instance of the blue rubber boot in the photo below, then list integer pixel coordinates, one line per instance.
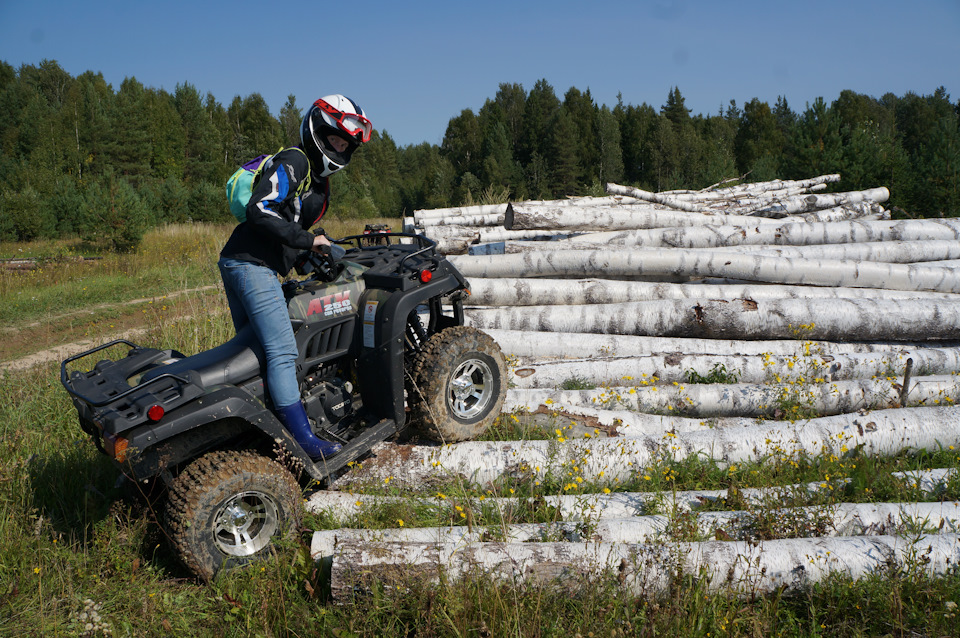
(294, 418)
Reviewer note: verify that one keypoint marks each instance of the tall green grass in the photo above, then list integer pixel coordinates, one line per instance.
(72, 544)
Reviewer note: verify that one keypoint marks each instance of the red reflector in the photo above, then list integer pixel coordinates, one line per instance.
(426, 276)
(155, 413)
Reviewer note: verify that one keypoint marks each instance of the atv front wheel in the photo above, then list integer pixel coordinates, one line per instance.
(226, 509)
(457, 384)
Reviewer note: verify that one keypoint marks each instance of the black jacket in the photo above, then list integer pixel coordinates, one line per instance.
(278, 221)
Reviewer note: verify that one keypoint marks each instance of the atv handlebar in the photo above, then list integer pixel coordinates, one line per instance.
(323, 262)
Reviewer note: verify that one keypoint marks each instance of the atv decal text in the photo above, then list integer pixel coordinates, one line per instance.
(330, 305)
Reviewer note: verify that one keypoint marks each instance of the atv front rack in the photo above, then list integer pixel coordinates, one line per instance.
(393, 264)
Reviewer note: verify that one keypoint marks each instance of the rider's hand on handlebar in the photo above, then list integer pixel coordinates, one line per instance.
(318, 242)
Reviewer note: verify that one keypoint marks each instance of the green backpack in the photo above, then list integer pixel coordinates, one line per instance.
(241, 184)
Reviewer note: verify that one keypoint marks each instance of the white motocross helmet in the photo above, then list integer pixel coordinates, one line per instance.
(335, 115)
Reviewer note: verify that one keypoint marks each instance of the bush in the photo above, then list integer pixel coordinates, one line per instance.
(167, 201)
(24, 217)
(208, 203)
(113, 214)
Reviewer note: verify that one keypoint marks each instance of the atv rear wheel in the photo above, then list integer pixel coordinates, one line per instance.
(457, 384)
(226, 509)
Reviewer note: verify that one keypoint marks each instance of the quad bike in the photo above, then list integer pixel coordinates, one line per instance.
(382, 347)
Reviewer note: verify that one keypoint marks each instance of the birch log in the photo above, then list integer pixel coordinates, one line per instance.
(500, 209)
(758, 369)
(459, 211)
(511, 291)
(789, 234)
(898, 252)
(810, 203)
(884, 432)
(745, 568)
(492, 219)
(535, 216)
(343, 506)
(822, 319)
(754, 189)
(841, 519)
(617, 264)
(596, 506)
(545, 346)
(568, 218)
(903, 252)
(710, 400)
(656, 198)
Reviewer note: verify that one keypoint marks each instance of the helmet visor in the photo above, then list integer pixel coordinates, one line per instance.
(353, 124)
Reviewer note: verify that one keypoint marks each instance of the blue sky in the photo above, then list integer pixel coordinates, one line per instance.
(413, 65)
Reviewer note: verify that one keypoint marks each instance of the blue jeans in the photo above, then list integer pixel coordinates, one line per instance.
(255, 298)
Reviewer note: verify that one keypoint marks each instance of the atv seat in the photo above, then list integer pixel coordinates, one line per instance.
(229, 363)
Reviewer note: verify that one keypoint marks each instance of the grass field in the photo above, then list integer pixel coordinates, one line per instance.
(79, 559)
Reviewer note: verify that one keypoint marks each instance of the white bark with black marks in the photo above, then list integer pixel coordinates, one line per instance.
(820, 319)
(745, 568)
(884, 432)
(698, 264)
(512, 291)
(610, 405)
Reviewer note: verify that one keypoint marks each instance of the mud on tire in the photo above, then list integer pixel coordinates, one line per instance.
(227, 508)
(458, 384)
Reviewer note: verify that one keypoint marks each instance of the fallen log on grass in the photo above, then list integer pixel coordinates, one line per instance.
(568, 219)
(744, 568)
(608, 264)
(819, 319)
(756, 369)
(784, 234)
(928, 253)
(840, 519)
(543, 346)
(711, 400)
(596, 506)
(541, 217)
(514, 291)
(884, 432)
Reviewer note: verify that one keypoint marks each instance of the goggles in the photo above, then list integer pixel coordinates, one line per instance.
(351, 123)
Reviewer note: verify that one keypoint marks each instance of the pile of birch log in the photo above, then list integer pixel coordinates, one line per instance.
(692, 324)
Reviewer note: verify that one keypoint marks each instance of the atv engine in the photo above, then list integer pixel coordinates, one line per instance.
(327, 399)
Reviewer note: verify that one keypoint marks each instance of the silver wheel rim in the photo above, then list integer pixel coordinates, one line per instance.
(245, 524)
(470, 390)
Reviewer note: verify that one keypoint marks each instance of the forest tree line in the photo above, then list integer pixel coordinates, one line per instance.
(80, 158)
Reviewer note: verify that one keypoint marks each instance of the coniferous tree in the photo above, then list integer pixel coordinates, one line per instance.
(290, 118)
(539, 114)
(817, 145)
(675, 109)
(758, 143)
(563, 162)
(636, 124)
(610, 167)
(202, 141)
(585, 143)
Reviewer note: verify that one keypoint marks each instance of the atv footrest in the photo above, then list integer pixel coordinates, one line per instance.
(358, 446)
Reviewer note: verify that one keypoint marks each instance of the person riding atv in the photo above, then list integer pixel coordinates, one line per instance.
(319, 372)
(381, 347)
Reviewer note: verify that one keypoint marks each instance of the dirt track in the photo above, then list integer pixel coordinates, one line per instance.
(129, 326)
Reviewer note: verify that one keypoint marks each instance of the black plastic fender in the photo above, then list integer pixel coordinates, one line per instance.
(225, 413)
(380, 364)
